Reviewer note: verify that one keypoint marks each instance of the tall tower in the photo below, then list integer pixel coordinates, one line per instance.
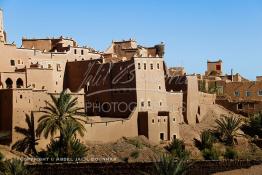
(2, 35)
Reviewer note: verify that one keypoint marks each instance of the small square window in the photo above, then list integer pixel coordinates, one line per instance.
(139, 66)
(162, 136)
(237, 93)
(248, 93)
(12, 62)
(260, 93)
(240, 106)
(58, 66)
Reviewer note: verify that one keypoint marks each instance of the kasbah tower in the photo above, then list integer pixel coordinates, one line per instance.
(132, 75)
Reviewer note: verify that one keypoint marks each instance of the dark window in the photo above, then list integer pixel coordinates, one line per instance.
(139, 66)
(162, 136)
(149, 103)
(82, 52)
(145, 66)
(75, 51)
(12, 62)
(21, 96)
(248, 93)
(174, 137)
(151, 66)
(19, 83)
(237, 93)
(153, 121)
(9, 83)
(157, 65)
(251, 106)
(218, 67)
(174, 119)
(239, 106)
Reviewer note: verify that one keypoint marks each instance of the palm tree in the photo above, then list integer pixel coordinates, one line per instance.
(15, 167)
(168, 166)
(206, 140)
(57, 114)
(228, 128)
(28, 143)
(68, 145)
(177, 149)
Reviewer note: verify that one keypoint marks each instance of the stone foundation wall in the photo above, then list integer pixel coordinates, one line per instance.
(198, 168)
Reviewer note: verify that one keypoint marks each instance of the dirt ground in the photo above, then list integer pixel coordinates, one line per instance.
(245, 148)
(254, 170)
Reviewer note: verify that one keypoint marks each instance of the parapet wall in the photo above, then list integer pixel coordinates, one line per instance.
(111, 130)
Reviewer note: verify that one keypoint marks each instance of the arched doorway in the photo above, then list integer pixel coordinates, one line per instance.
(9, 83)
(19, 83)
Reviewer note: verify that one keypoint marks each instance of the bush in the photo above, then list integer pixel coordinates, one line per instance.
(135, 154)
(177, 149)
(137, 143)
(230, 153)
(254, 126)
(210, 154)
(206, 140)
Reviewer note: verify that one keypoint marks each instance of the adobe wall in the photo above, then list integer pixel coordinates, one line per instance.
(165, 124)
(44, 44)
(150, 84)
(119, 168)
(192, 99)
(6, 112)
(176, 105)
(109, 87)
(206, 101)
(112, 130)
(22, 102)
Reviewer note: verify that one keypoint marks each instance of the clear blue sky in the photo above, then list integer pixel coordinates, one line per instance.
(193, 30)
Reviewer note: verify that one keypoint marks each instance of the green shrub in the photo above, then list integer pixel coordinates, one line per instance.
(177, 149)
(206, 140)
(253, 126)
(210, 154)
(135, 154)
(230, 153)
(137, 143)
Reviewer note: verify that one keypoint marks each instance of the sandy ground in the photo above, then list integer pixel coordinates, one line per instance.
(254, 170)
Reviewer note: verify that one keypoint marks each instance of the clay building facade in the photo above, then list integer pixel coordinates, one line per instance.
(129, 74)
(233, 91)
